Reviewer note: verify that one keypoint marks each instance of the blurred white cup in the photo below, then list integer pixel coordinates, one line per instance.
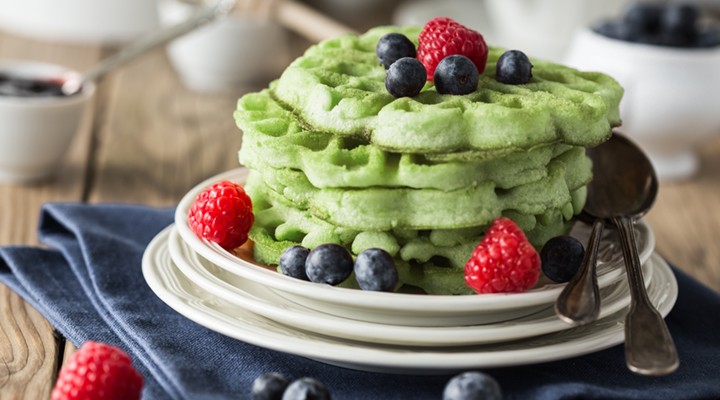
(226, 54)
(672, 99)
(36, 132)
(82, 21)
(544, 28)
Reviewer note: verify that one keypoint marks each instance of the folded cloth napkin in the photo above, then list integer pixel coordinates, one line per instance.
(89, 285)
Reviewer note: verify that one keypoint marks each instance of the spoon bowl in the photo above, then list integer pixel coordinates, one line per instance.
(624, 187)
(625, 182)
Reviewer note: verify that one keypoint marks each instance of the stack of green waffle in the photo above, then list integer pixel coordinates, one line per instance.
(334, 158)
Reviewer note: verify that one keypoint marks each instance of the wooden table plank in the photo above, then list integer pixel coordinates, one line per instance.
(159, 139)
(686, 219)
(28, 348)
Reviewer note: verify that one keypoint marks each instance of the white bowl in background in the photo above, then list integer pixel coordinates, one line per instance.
(81, 21)
(672, 95)
(226, 54)
(35, 132)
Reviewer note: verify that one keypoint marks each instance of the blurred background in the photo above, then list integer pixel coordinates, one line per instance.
(255, 44)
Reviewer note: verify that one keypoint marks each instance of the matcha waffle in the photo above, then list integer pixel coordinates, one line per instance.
(337, 86)
(335, 158)
(431, 259)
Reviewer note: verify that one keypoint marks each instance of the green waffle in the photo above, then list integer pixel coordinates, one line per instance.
(274, 135)
(432, 260)
(334, 158)
(337, 86)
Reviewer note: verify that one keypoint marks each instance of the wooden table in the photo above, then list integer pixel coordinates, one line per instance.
(148, 140)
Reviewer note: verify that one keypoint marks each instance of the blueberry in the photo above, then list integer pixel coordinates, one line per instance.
(375, 270)
(306, 389)
(292, 262)
(561, 257)
(472, 386)
(513, 67)
(680, 19)
(269, 386)
(456, 74)
(709, 38)
(406, 77)
(329, 263)
(641, 19)
(392, 47)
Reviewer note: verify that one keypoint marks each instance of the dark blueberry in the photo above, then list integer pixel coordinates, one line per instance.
(561, 257)
(292, 262)
(680, 19)
(329, 263)
(472, 386)
(24, 87)
(392, 47)
(709, 38)
(306, 389)
(513, 67)
(613, 30)
(269, 386)
(375, 270)
(456, 74)
(641, 19)
(406, 77)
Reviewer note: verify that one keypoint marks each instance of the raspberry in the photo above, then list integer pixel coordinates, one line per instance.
(222, 214)
(98, 371)
(504, 261)
(442, 37)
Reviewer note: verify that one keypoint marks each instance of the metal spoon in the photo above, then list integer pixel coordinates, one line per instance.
(624, 188)
(579, 302)
(73, 82)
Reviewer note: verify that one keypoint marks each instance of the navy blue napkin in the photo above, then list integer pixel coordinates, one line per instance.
(89, 285)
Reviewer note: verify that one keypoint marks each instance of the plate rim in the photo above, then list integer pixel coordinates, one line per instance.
(336, 326)
(351, 297)
(362, 356)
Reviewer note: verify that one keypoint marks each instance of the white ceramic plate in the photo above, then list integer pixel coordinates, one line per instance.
(226, 318)
(396, 308)
(261, 300)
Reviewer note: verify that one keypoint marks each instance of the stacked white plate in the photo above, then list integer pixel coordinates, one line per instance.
(390, 332)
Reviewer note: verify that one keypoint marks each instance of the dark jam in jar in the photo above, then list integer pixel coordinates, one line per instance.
(15, 86)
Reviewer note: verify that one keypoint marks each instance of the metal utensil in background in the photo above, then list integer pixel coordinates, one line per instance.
(624, 188)
(73, 83)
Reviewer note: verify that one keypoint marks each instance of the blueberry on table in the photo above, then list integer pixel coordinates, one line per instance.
(392, 47)
(375, 270)
(561, 257)
(329, 263)
(513, 67)
(269, 386)
(456, 74)
(292, 262)
(306, 389)
(472, 385)
(406, 77)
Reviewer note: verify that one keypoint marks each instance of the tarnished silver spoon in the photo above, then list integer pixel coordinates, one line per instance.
(624, 188)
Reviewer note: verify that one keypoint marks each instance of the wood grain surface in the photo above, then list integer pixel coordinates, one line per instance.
(149, 140)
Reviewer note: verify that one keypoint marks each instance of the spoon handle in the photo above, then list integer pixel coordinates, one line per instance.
(649, 348)
(579, 302)
(142, 45)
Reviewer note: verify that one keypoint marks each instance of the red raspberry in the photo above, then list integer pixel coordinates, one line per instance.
(222, 214)
(442, 37)
(98, 371)
(504, 261)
